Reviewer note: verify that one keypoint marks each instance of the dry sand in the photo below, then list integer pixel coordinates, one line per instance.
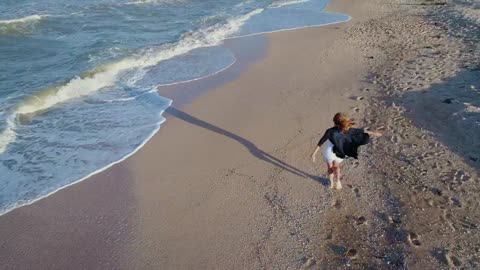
(227, 182)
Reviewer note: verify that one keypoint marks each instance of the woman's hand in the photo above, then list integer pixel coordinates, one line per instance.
(374, 133)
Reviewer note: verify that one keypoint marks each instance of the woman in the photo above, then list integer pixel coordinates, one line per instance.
(342, 141)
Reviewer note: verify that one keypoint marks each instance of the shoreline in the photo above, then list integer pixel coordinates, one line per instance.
(66, 211)
(171, 90)
(230, 169)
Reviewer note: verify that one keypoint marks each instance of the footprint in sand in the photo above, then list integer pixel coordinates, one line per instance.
(445, 217)
(394, 220)
(357, 98)
(468, 224)
(455, 176)
(413, 239)
(338, 204)
(309, 263)
(361, 220)
(329, 235)
(357, 192)
(455, 202)
(437, 191)
(351, 254)
(452, 261)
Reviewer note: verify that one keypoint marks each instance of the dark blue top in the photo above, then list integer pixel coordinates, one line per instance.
(345, 143)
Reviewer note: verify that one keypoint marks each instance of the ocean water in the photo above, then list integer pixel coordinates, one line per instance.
(78, 78)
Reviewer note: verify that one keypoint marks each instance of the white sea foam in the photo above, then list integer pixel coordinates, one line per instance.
(8, 135)
(280, 4)
(107, 75)
(140, 2)
(20, 25)
(27, 19)
(27, 202)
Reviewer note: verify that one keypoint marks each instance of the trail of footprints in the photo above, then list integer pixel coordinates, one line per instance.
(425, 164)
(426, 170)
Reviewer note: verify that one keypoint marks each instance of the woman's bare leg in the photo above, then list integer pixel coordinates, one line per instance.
(336, 168)
(330, 173)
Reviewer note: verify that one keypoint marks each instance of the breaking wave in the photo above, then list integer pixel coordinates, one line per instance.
(107, 75)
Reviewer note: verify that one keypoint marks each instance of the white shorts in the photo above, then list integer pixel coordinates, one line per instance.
(329, 155)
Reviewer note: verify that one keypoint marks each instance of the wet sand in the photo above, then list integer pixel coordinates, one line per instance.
(227, 182)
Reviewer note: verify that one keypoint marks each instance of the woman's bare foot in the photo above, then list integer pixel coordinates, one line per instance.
(339, 185)
(331, 183)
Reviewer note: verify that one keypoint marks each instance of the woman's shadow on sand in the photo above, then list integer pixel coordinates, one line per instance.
(252, 148)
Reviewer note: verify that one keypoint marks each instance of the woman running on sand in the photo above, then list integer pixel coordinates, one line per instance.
(342, 141)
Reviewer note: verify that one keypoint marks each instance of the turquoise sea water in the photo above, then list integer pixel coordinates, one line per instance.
(78, 78)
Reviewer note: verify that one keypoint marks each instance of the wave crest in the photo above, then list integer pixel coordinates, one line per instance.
(279, 4)
(144, 2)
(23, 20)
(21, 25)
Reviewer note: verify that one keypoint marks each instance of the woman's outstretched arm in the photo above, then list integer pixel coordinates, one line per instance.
(374, 133)
(314, 154)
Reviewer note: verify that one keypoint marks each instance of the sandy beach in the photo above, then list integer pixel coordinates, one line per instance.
(228, 183)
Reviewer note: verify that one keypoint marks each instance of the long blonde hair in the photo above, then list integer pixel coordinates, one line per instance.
(342, 122)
